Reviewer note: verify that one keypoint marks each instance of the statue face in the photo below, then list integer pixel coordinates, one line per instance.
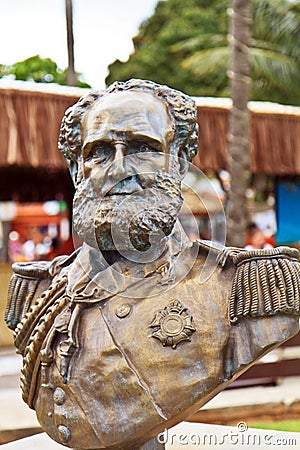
(118, 132)
(126, 143)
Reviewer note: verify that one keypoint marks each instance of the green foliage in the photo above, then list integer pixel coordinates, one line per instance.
(184, 45)
(40, 70)
(155, 55)
(283, 425)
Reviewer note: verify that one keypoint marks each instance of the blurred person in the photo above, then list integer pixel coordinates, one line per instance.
(256, 238)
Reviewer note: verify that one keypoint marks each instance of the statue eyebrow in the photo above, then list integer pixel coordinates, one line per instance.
(132, 139)
(142, 138)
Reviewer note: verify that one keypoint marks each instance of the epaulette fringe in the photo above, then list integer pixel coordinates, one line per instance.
(266, 283)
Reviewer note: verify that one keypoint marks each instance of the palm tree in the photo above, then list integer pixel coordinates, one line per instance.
(238, 137)
(274, 56)
(275, 71)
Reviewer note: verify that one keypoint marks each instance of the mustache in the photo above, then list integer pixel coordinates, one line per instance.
(129, 185)
(171, 184)
(136, 216)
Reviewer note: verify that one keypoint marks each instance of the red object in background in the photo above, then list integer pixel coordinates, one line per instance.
(32, 223)
(66, 248)
(271, 240)
(29, 215)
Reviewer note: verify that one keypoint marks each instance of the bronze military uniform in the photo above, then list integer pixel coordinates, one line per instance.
(166, 354)
(125, 337)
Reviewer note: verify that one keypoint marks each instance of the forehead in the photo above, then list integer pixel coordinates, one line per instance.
(130, 113)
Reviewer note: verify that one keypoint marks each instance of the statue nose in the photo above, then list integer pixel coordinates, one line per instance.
(118, 165)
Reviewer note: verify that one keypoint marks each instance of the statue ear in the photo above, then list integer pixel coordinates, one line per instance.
(183, 162)
(73, 168)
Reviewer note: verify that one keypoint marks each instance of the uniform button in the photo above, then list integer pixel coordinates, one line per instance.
(64, 433)
(123, 310)
(59, 396)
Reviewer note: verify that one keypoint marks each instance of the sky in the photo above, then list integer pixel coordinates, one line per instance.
(103, 32)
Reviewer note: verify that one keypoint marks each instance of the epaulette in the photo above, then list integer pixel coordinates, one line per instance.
(32, 290)
(266, 283)
(36, 296)
(28, 280)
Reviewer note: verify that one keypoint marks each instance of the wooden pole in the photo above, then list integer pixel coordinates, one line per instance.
(239, 134)
(71, 79)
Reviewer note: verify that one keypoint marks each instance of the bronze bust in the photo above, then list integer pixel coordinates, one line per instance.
(120, 340)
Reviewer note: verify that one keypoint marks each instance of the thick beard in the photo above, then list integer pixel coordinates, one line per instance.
(134, 221)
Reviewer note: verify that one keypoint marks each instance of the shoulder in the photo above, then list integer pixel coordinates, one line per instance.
(27, 281)
(215, 253)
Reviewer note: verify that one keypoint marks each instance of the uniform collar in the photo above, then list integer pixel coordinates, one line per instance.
(91, 279)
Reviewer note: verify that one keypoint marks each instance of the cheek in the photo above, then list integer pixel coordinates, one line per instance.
(144, 166)
(95, 174)
(87, 168)
(147, 163)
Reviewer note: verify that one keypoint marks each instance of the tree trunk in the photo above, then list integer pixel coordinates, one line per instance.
(71, 75)
(239, 139)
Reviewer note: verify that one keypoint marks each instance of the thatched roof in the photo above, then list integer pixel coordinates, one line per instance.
(275, 131)
(30, 116)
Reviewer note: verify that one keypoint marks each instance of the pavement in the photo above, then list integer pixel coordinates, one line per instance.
(16, 419)
(15, 415)
(191, 436)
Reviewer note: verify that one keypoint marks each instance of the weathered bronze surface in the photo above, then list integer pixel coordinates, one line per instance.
(122, 339)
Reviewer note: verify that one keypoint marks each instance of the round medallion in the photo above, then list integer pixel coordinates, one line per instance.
(172, 325)
(123, 310)
(59, 396)
(64, 433)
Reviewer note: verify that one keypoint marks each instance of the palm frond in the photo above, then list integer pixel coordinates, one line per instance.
(199, 42)
(280, 70)
(208, 61)
(276, 22)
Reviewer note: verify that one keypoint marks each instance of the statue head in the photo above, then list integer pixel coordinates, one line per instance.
(128, 148)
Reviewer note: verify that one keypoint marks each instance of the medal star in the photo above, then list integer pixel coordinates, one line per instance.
(172, 325)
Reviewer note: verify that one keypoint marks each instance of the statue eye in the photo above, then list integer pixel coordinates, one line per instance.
(146, 148)
(139, 147)
(100, 152)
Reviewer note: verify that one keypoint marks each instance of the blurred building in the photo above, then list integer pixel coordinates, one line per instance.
(32, 170)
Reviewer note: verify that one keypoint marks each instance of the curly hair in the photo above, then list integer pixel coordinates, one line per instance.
(181, 108)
